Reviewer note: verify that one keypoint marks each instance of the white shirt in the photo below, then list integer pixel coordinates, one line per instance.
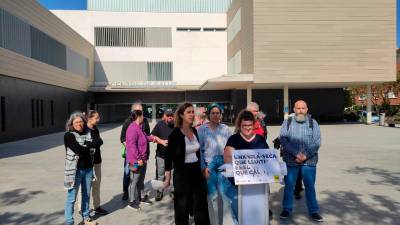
(192, 146)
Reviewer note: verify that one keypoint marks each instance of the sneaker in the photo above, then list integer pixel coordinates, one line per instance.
(317, 217)
(134, 206)
(146, 200)
(284, 214)
(125, 196)
(172, 195)
(270, 215)
(100, 211)
(159, 196)
(89, 221)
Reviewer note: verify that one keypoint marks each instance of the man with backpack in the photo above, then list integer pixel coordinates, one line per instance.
(300, 139)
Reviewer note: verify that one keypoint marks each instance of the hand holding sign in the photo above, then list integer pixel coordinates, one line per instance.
(256, 166)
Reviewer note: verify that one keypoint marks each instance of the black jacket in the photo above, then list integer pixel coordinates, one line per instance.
(176, 150)
(95, 133)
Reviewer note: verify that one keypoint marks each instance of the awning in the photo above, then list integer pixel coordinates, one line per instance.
(226, 82)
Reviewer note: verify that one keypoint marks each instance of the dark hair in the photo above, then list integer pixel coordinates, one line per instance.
(211, 106)
(90, 114)
(244, 115)
(135, 114)
(179, 112)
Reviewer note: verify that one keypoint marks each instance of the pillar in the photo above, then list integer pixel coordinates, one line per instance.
(285, 102)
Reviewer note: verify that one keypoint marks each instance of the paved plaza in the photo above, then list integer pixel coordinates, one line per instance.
(358, 180)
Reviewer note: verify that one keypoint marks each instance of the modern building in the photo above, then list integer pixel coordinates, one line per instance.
(165, 52)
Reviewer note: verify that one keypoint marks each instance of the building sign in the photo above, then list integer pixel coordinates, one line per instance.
(257, 166)
(143, 84)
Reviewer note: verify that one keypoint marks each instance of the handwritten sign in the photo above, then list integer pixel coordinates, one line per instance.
(256, 166)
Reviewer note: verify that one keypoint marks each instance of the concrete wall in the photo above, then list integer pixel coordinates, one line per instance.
(196, 56)
(243, 42)
(20, 66)
(18, 107)
(324, 41)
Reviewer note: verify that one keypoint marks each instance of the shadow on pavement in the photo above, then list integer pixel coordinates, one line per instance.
(41, 143)
(17, 218)
(17, 196)
(388, 178)
(115, 204)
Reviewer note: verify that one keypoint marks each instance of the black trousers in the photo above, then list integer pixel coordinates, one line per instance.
(190, 193)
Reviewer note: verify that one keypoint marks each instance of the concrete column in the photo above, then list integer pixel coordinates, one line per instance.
(249, 93)
(369, 104)
(285, 102)
(153, 113)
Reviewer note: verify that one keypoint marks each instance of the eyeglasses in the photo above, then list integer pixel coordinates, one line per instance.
(247, 126)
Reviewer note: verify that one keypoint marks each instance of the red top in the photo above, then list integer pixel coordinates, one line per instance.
(258, 129)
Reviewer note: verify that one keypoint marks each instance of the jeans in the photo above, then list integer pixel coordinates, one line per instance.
(126, 178)
(160, 168)
(83, 178)
(309, 174)
(136, 185)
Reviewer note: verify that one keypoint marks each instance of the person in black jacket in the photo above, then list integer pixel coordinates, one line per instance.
(80, 148)
(183, 155)
(93, 119)
(146, 128)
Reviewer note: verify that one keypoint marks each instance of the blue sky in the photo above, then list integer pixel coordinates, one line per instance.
(64, 4)
(81, 4)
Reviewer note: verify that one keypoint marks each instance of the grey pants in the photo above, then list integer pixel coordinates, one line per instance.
(160, 168)
(136, 183)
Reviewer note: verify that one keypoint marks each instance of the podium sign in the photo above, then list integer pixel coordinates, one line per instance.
(256, 166)
(253, 169)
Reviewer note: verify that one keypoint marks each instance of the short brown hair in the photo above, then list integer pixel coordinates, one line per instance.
(179, 112)
(244, 115)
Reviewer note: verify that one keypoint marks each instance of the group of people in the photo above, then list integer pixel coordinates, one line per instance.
(192, 145)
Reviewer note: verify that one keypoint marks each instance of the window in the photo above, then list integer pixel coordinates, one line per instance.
(33, 112)
(159, 71)
(37, 113)
(213, 29)
(391, 95)
(188, 29)
(41, 113)
(52, 112)
(133, 36)
(3, 113)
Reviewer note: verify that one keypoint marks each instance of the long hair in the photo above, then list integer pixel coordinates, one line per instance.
(244, 115)
(72, 117)
(179, 112)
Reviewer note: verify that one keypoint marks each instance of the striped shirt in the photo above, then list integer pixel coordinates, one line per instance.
(300, 138)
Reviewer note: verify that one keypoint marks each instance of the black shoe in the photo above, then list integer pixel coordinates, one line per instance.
(172, 195)
(134, 206)
(100, 211)
(270, 214)
(146, 200)
(317, 217)
(125, 196)
(284, 214)
(159, 196)
(297, 195)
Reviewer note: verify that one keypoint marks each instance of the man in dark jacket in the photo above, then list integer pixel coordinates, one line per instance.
(146, 128)
(162, 130)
